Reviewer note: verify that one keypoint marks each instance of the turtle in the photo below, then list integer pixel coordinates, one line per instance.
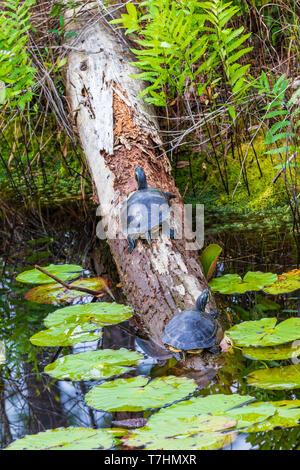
(194, 330)
(145, 211)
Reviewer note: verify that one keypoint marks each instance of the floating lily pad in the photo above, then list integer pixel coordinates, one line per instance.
(93, 364)
(56, 294)
(287, 282)
(64, 272)
(251, 414)
(233, 283)
(178, 427)
(209, 258)
(64, 336)
(71, 438)
(99, 314)
(276, 378)
(274, 353)
(200, 405)
(201, 441)
(264, 333)
(137, 393)
(2, 353)
(287, 415)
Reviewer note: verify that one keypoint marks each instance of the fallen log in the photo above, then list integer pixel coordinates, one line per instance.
(119, 132)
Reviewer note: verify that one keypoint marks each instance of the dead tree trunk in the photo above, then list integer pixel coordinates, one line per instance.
(118, 132)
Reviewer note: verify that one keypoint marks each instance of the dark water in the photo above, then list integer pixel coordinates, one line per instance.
(31, 402)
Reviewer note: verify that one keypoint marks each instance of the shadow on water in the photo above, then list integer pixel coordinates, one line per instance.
(30, 401)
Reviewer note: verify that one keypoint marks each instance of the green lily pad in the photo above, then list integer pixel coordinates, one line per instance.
(137, 393)
(179, 427)
(201, 441)
(233, 283)
(251, 414)
(274, 353)
(65, 272)
(71, 438)
(264, 333)
(209, 258)
(287, 282)
(2, 353)
(93, 364)
(56, 294)
(200, 405)
(98, 314)
(64, 336)
(277, 378)
(287, 415)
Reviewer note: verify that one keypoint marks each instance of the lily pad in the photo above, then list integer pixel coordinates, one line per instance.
(264, 333)
(251, 414)
(179, 427)
(287, 282)
(287, 415)
(217, 403)
(201, 441)
(98, 314)
(274, 353)
(137, 393)
(71, 438)
(209, 258)
(64, 336)
(93, 364)
(233, 283)
(55, 293)
(276, 378)
(64, 272)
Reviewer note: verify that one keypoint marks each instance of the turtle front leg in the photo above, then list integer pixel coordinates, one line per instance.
(148, 237)
(214, 349)
(131, 244)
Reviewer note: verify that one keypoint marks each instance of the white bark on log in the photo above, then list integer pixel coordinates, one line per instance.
(118, 132)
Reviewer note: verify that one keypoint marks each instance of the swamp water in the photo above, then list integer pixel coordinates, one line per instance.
(32, 401)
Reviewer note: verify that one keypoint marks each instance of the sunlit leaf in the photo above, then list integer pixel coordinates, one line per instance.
(97, 314)
(137, 393)
(55, 293)
(287, 415)
(64, 272)
(248, 415)
(64, 336)
(273, 353)
(264, 332)
(287, 282)
(72, 438)
(2, 353)
(209, 258)
(93, 364)
(276, 378)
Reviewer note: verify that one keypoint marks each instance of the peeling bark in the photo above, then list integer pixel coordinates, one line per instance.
(118, 132)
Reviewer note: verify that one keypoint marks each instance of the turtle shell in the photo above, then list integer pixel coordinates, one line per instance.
(145, 211)
(190, 329)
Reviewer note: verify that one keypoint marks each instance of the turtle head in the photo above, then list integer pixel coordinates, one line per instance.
(140, 177)
(202, 300)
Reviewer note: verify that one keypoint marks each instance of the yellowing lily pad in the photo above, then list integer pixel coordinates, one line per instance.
(65, 272)
(251, 414)
(209, 258)
(93, 364)
(264, 332)
(274, 353)
(55, 293)
(233, 283)
(276, 378)
(98, 314)
(138, 393)
(287, 282)
(287, 415)
(64, 336)
(72, 438)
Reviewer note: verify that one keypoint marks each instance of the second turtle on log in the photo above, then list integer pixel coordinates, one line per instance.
(194, 330)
